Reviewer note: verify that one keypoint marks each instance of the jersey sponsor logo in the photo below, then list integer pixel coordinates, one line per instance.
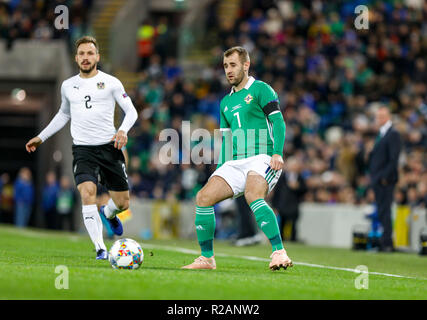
(236, 107)
(248, 99)
(263, 223)
(100, 85)
(226, 108)
(76, 87)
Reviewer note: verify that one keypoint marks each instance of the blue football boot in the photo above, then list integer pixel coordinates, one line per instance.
(101, 254)
(115, 223)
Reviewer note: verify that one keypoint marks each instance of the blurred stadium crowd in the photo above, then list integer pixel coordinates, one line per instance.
(330, 78)
(34, 19)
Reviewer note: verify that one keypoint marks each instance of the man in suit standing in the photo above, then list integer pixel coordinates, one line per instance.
(383, 162)
(287, 197)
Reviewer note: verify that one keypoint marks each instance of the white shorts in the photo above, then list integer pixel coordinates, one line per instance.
(235, 172)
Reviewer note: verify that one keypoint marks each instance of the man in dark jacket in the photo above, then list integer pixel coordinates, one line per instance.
(289, 191)
(383, 162)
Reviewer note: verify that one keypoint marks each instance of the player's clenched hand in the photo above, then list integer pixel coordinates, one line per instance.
(32, 145)
(276, 162)
(120, 139)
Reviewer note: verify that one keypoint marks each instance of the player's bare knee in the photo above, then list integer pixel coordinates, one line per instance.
(202, 199)
(123, 204)
(251, 196)
(88, 195)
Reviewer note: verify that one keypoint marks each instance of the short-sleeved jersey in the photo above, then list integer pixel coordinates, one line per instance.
(244, 113)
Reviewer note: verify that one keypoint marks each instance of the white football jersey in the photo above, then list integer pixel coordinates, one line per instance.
(90, 104)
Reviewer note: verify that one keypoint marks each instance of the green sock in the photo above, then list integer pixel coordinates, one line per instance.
(266, 220)
(205, 229)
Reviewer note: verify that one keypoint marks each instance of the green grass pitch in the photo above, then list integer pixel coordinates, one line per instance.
(28, 259)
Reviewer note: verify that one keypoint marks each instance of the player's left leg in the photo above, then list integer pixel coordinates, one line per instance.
(255, 191)
(118, 202)
(102, 197)
(113, 174)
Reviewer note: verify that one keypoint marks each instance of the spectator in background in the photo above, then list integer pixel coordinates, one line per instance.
(383, 163)
(287, 197)
(172, 70)
(43, 30)
(24, 197)
(422, 194)
(146, 34)
(25, 19)
(163, 40)
(155, 69)
(78, 29)
(138, 186)
(50, 194)
(6, 199)
(65, 203)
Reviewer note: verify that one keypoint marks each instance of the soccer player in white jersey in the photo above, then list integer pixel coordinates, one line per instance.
(88, 100)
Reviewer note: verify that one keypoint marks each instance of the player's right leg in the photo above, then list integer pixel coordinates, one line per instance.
(86, 169)
(91, 218)
(216, 190)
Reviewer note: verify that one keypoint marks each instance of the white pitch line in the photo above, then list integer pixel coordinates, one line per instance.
(195, 252)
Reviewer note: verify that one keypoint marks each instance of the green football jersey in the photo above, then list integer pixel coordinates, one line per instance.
(247, 116)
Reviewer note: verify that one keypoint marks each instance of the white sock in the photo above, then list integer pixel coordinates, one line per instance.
(93, 221)
(111, 209)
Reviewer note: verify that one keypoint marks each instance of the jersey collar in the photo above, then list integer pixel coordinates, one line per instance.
(247, 86)
(96, 75)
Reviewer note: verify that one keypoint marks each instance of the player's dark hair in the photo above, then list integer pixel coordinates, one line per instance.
(242, 52)
(87, 39)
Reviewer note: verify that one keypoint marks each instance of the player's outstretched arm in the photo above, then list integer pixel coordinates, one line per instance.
(56, 124)
(33, 144)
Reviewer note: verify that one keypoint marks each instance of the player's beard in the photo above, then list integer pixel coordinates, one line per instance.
(89, 70)
(237, 78)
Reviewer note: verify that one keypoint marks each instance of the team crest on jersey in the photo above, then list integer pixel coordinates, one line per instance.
(248, 99)
(100, 85)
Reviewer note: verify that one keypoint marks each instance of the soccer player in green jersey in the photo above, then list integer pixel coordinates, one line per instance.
(251, 159)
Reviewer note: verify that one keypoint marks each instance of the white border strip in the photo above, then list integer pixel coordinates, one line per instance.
(252, 258)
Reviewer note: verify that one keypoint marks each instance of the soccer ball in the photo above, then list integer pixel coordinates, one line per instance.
(126, 254)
